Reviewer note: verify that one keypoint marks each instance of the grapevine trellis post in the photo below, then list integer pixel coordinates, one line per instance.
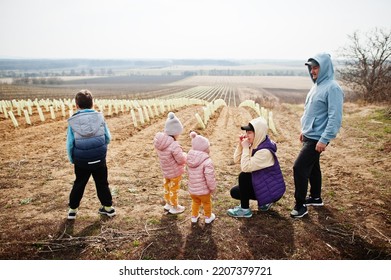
(133, 117)
(27, 117)
(14, 121)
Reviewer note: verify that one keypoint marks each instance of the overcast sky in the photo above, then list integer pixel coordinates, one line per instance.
(192, 29)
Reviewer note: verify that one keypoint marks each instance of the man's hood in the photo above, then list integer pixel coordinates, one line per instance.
(326, 71)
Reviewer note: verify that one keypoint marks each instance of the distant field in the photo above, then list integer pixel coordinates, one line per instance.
(290, 89)
(151, 67)
(116, 87)
(124, 80)
(294, 68)
(286, 82)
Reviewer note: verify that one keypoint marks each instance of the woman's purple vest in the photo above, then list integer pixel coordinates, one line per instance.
(268, 183)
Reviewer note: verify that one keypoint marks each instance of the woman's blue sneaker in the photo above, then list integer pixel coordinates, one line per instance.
(239, 212)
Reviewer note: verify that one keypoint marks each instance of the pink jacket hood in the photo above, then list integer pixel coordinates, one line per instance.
(171, 156)
(201, 173)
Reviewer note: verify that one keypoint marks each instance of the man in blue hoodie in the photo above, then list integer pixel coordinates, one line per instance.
(320, 123)
(87, 140)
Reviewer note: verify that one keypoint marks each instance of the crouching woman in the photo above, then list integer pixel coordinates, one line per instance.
(261, 178)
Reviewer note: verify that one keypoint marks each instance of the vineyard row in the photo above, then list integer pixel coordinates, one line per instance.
(141, 111)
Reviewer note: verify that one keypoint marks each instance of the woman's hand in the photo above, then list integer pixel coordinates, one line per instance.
(245, 143)
(242, 137)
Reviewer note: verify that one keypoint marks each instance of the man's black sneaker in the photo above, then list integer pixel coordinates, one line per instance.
(313, 201)
(299, 211)
(110, 213)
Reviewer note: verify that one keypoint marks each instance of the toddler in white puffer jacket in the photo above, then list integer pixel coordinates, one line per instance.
(202, 181)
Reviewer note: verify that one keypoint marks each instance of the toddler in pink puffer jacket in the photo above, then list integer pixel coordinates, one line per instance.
(202, 181)
(172, 161)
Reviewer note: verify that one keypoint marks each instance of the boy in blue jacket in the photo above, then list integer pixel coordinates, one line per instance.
(87, 140)
(320, 123)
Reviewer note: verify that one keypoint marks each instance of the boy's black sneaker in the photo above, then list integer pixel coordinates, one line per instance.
(110, 213)
(299, 211)
(313, 201)
(72, 213)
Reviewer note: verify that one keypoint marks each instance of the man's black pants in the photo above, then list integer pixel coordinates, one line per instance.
(307, 168)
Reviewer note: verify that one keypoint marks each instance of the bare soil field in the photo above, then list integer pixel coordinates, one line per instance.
(36, 178)
(111, 87)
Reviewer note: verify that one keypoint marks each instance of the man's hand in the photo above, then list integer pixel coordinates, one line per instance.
(320, 147)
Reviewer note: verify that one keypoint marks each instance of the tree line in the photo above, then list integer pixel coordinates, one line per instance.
(39, 74)
(37, 81)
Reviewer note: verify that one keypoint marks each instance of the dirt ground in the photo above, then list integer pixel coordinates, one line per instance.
(36, 178)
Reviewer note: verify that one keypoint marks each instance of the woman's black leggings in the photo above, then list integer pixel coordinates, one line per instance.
(245, 191)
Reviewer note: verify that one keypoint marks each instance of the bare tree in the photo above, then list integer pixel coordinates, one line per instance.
(368, 65)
